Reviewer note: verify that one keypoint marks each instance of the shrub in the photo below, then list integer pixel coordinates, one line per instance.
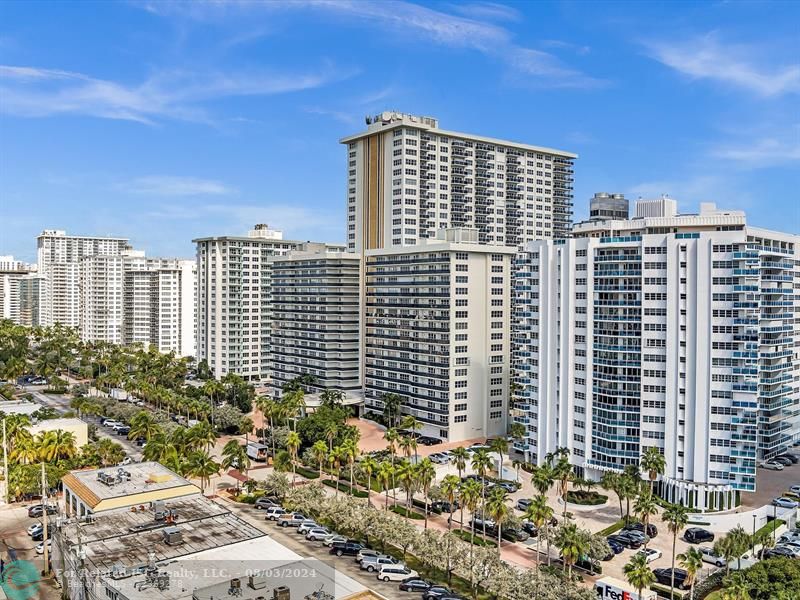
(663, 592)
(400, 510)
(479, 540)
(612, 528)
(308, 473)
(585, 498)
(344, 487)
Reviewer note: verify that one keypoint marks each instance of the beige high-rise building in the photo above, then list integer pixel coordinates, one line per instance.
(407, 179)
(11, 274)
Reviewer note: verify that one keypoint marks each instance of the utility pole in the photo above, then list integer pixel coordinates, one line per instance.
(5, 461)
(45, 518)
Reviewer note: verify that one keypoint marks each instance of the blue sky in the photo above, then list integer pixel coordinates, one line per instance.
(163, 122)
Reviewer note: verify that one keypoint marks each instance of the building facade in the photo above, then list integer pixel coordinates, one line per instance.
(604, 206)
(315, 318)
(436, 333)
(59, 256)
(11, 273)
(407, 179)
(672, 332)
(234, 301)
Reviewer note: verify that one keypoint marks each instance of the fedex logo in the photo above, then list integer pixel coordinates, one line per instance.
(610, 593)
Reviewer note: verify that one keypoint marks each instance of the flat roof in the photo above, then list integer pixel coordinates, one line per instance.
(457, 134)
(137, 478)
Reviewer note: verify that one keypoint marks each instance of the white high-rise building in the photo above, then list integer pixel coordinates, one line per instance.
(407, 179)
(436, 332)
(674, 332)
(315, 319)
(59, 257)
(11, 273)
(234, 301)
(132, 299)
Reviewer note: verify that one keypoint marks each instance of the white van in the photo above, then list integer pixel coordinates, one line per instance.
(258, 452)
(395, 573)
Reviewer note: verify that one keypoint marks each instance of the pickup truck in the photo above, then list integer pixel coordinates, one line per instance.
(291, 520)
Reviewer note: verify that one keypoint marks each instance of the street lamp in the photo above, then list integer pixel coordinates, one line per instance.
(753, 540)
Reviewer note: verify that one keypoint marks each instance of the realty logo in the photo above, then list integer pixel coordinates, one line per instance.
(20, 580)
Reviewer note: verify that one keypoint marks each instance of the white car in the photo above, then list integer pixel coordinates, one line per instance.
(790, 536)
(650, 554)
(306, 526)
(274, 512)
(395, 573)
(793, 548)
(795, 489)
(785, 503)
(772, 466)
(316, 534)
(34, 528)
(40, 547)
(331, 538)
(710, 557)
(126, 461)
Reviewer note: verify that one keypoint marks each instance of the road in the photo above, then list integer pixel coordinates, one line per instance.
(61, 405)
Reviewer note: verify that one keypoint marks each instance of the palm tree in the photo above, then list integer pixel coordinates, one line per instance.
(543, 478)
(408, 445)
(57, 444)
(562, 471)
(202, 466)
(408, 478)
(350, 453)
(500, 446)
(459, 457)
(392, 437)
(740, 541)
(293, 445)
(391, 408)
(480, 464)
(410, 423)
(653, 463)
(320, 451)
(573, 545)
(110, 452)
(213, 389)
(612, 481)
(736, 589)
(692, 562)
(333, 464)
(449, 487)
(234, 456)
(644, 508)
(426, 473)
(385, 476)
(470, 494)
(201, 436)
(638, 573)
(331, 431)
(629, 485)
(143, 425)
(539, 513)
(677, 517)
(497, 507)
(368, 466)
(26, 450)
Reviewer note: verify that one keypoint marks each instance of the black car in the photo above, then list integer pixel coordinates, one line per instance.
(784, 460)
(779, 551)
(514, 535)
(696, 535)
(626, 541)
(652, 530)
(428, 441)
(414, 584)
(616, 548)
(523, 504)
(345, 548)
(39, 535)
(141, 441)
(436, 592)
(37, 511)
(444, 506)
(123, 430)
(664, 577)
(791, 457)
(529, 528)
(587, 564)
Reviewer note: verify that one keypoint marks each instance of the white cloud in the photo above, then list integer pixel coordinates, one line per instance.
(705, 57)
(762, 152)
(473, 31)
(37, 92)
(488, 10)
(165, 185)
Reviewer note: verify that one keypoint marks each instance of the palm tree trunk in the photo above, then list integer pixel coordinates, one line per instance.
(450, 520)
(538, 546)
(386, 506)
(426, 508)
(461, 523)
(499, 537)
(672, 573)
(369, 489)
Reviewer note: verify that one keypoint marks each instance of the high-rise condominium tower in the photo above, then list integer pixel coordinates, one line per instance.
(234, 301)
(677, 332)
(407, 179)
(59, 257)
(12, 272)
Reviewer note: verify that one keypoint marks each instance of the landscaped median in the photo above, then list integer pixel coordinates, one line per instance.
(586, 498)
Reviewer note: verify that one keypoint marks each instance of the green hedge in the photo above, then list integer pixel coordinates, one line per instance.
(400, 510)
(769, 527)
(343, 487)
(586, 498)
(479, 540)
(612, 528)
(663, 592)
(308, 473)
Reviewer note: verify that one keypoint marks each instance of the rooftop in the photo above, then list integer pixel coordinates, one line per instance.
(133, 479)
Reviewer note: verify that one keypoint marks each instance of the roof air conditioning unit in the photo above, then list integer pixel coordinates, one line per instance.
(173, 536)
(258, 582)
(281, 592)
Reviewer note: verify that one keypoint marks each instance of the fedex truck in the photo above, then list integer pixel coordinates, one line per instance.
(609, 588)
(258, 452)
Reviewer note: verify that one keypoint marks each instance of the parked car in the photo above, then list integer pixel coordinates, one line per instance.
(426, 440)
(414, 584)
(35, 528)
(40, 547)
(710, 557)
(397, 572)
(625, 540)
(291, 519)
(332, 538)
(444, 506)
(772, 465)
(793, 548)
(37, 511)
(273, 513)
(345, 548)
(316, 534)
(514, 535)
(784, 460)
(376, 563)
(785, 503)
(588, 565)
(478, 524)
(39, 535)
(650, 554)
(436, 592)
(264, 503)
(792, 457)
(636, 535)
(366, 552)
(523, 504)
(652, 530)
(306, 526)
(795, 489)
(776, 552)
(530, 528)
(790, 537)
(439, 458)
(697, 535)
(664, 577)
(123, 430)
